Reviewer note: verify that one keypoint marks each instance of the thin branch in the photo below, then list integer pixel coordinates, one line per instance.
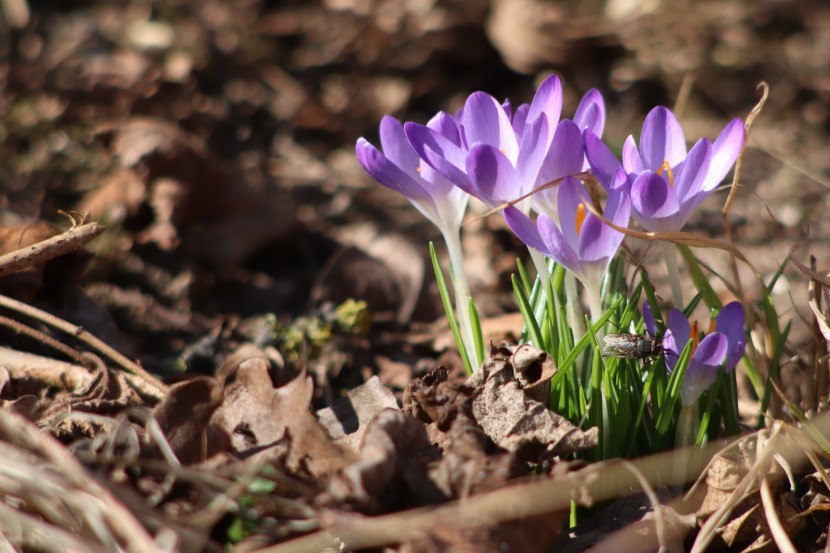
(50, 248)
(157, 388)
(747, 126)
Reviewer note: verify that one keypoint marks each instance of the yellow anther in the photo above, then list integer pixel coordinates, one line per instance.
(417, 169)
(712, 324)
(695, 337)
(667, 169)
(580, 218)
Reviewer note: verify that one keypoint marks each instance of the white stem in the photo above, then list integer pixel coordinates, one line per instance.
(674, 274)
(594, 296)
(542, 271)
(685, 436)
(572, 307)
(687, 426)
(462, 295)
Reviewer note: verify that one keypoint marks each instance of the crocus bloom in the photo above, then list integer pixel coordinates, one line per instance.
(582, 243)
(667, 183)
(398, 167)
(566, 155)
(499, 156)
(723, 347)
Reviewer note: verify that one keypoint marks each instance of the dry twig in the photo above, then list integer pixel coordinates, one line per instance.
(50, 248)
(145, 383)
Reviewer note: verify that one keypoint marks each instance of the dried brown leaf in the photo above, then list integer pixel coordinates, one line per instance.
(348, 417)
(257, 416)
(515, 421)
(391, 469)
(184, 416)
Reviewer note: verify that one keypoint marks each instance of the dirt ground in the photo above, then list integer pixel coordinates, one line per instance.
(214, 141)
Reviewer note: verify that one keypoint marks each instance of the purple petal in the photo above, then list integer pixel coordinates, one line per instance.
(655, 202)
(730, 323)
(620, 182)
(631, 159)
(662, 139)
(534, 146)
(446, 125)
(618, 206)
(566, 154)
(590, 113)
(565, 157)
(508, 108)
(703, 367)
(547, 101)
(712, 350)
(570, 196)
(691, 175)
(519, 119)
(542, 236)
(395, 145)
(725, 152)
(648, 319)
(557, 247)
(447, 158)
(525, 229)
(485, 122)
(598, 241)
(437, 186)
(495, 180)
(676, 337)
(603, 163)
(387, 173)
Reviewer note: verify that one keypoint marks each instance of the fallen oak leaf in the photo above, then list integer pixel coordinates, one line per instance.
(258, 416)
(517, 422)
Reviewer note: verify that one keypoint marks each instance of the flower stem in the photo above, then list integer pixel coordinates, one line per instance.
(594, 297)
(542, 271)
(572, 307)
(462, 295)
(674, 274)
(687, 426)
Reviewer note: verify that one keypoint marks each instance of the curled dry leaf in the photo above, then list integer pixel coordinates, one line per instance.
(184, 415)
(517, 422)
(348, 418)
(258, 417)
(390, 472)
(747, 528)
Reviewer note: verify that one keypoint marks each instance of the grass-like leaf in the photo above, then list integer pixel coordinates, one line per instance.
(447, 302)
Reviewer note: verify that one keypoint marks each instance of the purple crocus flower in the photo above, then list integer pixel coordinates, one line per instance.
(566, 155)
(399, 168)
(723, 347)
(581, 242)
(667, 183)
(498, 157)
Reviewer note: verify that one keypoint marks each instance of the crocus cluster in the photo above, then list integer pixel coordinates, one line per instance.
(723, 346)
(665, 182)
(498, 155)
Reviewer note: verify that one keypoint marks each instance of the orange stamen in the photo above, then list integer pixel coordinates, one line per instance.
(712, 324)
(667, 169)
(694, 335)
(580, 218)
